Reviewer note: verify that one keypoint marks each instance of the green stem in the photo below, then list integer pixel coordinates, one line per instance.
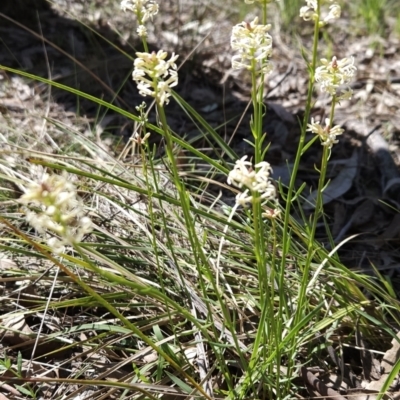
(266, 333)
(318, 211)
(291, 190)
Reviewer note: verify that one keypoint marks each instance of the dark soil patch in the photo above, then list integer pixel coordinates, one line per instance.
(39, 40)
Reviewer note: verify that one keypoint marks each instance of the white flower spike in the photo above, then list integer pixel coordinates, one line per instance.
(326, 134)
(253, 45)
(155, 76)
(258, 180)
(335, 75)
(58, 211)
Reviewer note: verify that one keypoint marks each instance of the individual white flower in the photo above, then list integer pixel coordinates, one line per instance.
(333, 75)
(143, 9)
(141, 31)
(127, 5)
(253, 45)
(334, 12)
(242, 174)
(35, 220)
(58, 211)
(271, 213)
(346, 94)
(327, 134)
(56, 245)
(150, 73)
(151, 9)
(138, 140)
(243, 198)
(310, 12)
(254, 180)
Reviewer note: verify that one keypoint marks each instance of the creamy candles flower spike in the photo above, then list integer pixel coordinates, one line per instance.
(155, 76)
(143, 9)
(58, 211)
(243, 175)
(333, 76)
(327, 134)
(253, 45)
(310, 12)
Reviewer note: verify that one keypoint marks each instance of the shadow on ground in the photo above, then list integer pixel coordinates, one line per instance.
(93, 59)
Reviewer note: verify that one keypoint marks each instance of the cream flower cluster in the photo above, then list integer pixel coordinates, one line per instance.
(59, 211)
(155, 76)
(327, 134)
(310, 12)
(143, 9)
(332, 76)
(254, 46)
(243, 175)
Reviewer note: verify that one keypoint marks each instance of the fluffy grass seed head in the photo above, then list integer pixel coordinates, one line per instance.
(258, 180)
(155, 76)
(333, 76)
(327, 133)
(58, 210)
(253, 45)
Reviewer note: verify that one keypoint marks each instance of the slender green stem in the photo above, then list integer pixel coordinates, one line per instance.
(266, 336)
(311, 244)
(286, 239)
